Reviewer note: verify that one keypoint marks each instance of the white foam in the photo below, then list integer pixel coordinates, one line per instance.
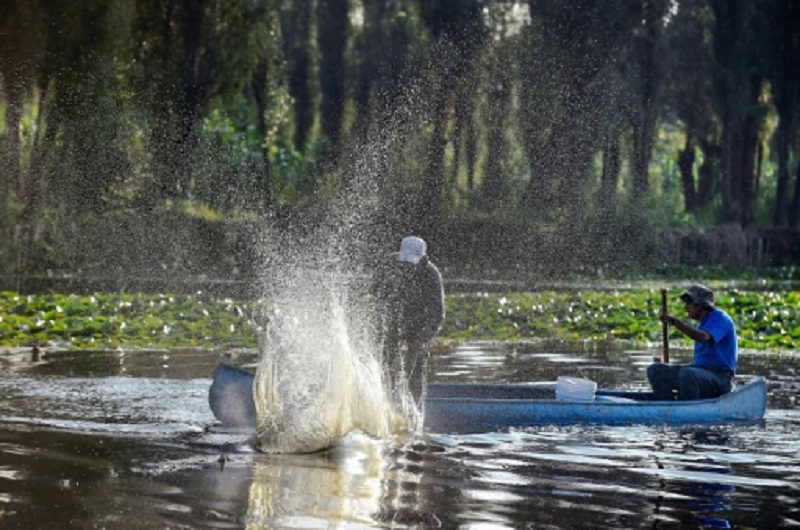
(317, 381)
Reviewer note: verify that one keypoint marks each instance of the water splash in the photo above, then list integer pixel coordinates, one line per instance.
(318, 377)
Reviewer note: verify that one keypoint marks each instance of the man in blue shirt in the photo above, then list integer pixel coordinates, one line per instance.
(715, 351)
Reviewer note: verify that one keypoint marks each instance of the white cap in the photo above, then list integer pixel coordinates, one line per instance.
(412, 249)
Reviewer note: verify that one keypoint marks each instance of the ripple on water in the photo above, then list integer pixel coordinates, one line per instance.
(697, 471)
(114, 405)
(166, 464)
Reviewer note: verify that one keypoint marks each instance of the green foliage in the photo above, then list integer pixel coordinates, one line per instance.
(122, 320)
(495, 109)
(765, 319)
(294, 173)
(234, 162)
(240, 163)
(768, 318)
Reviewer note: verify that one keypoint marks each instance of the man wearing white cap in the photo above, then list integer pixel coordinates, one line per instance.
(715, 351)
(411, 298)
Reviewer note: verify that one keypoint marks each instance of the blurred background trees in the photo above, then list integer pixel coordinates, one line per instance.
(590, 121)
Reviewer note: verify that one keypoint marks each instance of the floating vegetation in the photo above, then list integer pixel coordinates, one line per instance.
(765, 319)
(114, 320)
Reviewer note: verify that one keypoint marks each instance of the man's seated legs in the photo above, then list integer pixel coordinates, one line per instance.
(699, 383)
(664, 380)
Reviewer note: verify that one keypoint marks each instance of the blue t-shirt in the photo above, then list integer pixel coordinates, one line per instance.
(720, 353)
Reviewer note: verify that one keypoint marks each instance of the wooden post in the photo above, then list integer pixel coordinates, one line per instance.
(665, 332)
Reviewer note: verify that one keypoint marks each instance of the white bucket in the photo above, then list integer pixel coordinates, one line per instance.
(575, 389)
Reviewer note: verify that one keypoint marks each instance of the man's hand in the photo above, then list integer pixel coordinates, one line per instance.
(669, 318)
(686, 329)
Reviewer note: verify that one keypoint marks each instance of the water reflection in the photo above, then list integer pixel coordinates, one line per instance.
(697, 498)
(100, 440)
(708, 472)
(309, 491)
(362, 482)
(631, 477)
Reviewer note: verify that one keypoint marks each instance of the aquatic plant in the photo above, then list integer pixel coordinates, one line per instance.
(105, 320)
(766, 319)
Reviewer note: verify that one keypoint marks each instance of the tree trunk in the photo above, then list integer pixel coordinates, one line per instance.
(461, 118)
(779, 217)
(738, 161)
(750, 143)
(496, 188)
(708, 174)
(609, 179)
(644, 129)
(332, 28)
(471, 148)
(783, 60)
(164, 139)
(297, 49)
(686, 166)
(794, 218)
(12, 177)
(44, 139)
(434, 175)
(759, 170)
(731, 207)
(642, 146)
(260, 88)
(467, 101)
(193, 91)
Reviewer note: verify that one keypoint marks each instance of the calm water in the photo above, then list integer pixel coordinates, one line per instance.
(123, 441)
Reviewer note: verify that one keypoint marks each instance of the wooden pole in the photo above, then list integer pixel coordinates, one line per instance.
(665, 331)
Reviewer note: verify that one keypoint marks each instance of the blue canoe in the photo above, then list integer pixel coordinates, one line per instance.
(231, 397)
(471, 407)
(485, 407)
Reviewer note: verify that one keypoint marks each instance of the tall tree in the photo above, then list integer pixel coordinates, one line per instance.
(647, 45)
(21, 54)
(783, 71)
(251, 48)
(738, 83)
(495, 188)
(458, 31)
(297, 48)
(177, 57)
(566, 64)
(688, 94)
(497, 71)
(190, 55)
(78, 108)
(465, 134)
(381, 59)
(794, 220)
(333, 18)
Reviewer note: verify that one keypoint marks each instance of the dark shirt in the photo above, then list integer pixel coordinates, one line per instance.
(410, 300)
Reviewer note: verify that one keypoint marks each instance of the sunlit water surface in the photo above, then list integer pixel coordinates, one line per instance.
(127, 441)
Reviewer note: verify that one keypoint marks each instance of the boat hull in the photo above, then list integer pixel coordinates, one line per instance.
(231, 397)
(471, 408)
(480, 407)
